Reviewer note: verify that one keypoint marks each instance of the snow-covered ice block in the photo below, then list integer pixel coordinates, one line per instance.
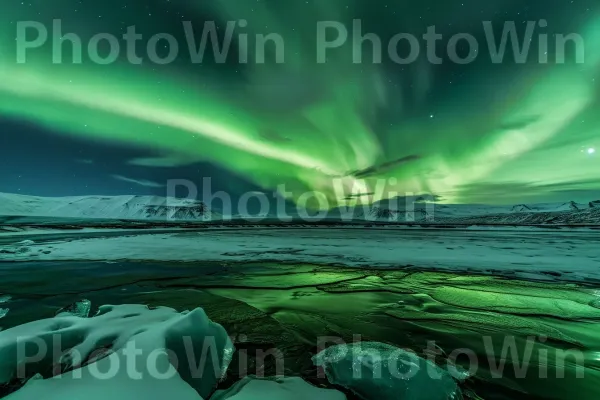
(123, 352)
(379, 371)
(87, 386)
(293, 388)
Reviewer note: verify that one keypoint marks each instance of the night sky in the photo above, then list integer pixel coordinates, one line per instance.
(479, 132)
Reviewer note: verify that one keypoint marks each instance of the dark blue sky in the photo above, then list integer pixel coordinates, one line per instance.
(36, 161)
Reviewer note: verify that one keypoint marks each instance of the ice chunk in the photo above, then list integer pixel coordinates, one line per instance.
(294, 388)
(4, 299)
(80, 308)
(379, 371)
(123, 352)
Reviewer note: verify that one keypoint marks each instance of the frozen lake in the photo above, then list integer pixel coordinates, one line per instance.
(479, 291)
(531, 253)
(291, 307)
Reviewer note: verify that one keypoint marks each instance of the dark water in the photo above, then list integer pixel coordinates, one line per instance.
(289, 307)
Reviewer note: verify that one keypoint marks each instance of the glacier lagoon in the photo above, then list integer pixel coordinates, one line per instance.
(520, 334)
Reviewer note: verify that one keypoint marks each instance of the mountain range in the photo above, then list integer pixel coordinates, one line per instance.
(416, 209)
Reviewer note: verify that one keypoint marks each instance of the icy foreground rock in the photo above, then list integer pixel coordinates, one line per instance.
(125, 352)
(252, 388)
(377, 371)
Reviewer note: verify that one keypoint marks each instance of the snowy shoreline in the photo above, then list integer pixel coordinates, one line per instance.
(524, 252)
(8, 231)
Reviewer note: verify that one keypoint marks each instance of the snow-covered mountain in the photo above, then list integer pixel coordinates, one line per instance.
(594, 204)
(421, 211)
(156, 208)
(589, 216)
(552, 207)
(407, 210)
(106, 207)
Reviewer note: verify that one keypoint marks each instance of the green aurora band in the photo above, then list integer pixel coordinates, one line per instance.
(307, 124)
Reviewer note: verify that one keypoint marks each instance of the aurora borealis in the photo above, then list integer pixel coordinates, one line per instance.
(482, 132)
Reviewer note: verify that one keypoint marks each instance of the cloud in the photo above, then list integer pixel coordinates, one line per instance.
(518, 192)
(141, 182)
(381, 168)
(353, 196)
(161, 162)
(84, 161)
(520, 123)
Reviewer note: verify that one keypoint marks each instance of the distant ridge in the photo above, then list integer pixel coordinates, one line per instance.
(106, 207)
(401, 210)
